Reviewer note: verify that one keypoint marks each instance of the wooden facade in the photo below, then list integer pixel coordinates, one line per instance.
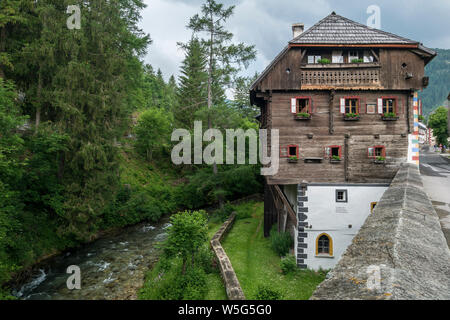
(392, 71)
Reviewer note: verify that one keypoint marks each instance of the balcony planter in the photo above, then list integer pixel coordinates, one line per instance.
(302, 116)
(351, 117)
(335, 160)
(389, 117)
(293, 160)
(379, 160)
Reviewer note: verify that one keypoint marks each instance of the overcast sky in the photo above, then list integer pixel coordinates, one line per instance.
(267, 24)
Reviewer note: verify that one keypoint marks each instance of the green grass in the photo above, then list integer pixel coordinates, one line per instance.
(255, 263)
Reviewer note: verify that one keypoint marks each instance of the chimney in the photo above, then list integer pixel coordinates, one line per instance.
(297, 29)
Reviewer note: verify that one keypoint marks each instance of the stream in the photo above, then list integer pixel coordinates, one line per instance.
(111, 268)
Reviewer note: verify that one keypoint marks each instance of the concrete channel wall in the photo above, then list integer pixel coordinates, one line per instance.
(400, 253)
(232, 286)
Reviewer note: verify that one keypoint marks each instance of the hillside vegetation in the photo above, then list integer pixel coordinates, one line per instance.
(436, 93)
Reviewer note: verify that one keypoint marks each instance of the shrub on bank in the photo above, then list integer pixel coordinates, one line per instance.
(266, 293)
(288, 264)
(281, 241)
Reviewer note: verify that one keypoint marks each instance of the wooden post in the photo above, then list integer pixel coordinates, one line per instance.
(331, 117)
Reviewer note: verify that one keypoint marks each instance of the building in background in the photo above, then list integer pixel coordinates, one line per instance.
(344, 99)
(423, 133)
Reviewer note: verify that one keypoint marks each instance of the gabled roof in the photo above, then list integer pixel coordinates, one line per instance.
(335, 29)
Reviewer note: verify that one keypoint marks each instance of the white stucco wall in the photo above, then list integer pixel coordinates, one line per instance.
(325, 215)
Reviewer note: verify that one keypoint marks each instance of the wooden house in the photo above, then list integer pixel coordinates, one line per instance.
(344, 99)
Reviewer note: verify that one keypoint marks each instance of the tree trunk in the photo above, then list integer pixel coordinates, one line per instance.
(210, 75)
(39, 102)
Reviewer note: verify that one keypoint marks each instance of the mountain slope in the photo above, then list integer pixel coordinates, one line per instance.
(439, 72)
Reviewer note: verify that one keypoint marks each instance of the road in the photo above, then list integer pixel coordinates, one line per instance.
(435, 172)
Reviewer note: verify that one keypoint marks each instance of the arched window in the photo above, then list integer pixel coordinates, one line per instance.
(324, 245)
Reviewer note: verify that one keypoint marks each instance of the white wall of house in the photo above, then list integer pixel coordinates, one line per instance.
(325, 215)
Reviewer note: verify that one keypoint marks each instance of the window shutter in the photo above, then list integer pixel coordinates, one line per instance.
(327, 152)
(380, 106)
(371, 151)
(311, 106)
(342, 105)
(293, 105)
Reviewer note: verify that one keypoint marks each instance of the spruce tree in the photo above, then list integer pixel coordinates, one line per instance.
(192, 93)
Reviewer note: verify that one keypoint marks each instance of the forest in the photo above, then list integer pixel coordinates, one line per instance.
(436, 93)
(85, 124)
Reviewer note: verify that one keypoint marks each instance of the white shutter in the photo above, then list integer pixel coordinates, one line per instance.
(293, 105)
(380, 106)
(342, 105)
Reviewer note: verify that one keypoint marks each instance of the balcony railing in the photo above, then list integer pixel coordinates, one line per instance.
(340, 75)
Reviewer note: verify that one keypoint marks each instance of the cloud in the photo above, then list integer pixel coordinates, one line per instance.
(267, 24)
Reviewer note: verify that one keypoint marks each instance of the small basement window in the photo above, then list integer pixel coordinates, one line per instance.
(341, 196)
(324, 245)
(376, 151)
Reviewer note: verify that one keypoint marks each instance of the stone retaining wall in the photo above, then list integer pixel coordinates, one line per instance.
(399, 253)
(232, 286)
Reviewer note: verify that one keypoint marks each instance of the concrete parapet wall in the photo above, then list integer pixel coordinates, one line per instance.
(400, 252)
(232, 286)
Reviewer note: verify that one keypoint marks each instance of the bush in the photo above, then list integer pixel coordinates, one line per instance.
(288, 264)
(223, 213)
(324, 61)
(281, 241)
(168, 283)
(266, 293)
(205, 259)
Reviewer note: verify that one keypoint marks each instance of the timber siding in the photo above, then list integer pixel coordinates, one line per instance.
(370, 130)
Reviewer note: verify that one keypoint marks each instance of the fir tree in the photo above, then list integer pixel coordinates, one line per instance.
(192, 94)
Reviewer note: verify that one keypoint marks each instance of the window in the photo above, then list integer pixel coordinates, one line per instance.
(333, 151)
(324, 245)
(314, 59)
(352, 55)
(389, 105)
(372, 206)
(301, 105)
(341, 196)
(289, 151)
(376, 151)
(337, 57)
(350, 105)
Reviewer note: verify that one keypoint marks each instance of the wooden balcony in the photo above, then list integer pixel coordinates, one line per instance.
(337, 76)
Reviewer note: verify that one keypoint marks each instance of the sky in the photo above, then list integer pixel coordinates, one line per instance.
(267, 24)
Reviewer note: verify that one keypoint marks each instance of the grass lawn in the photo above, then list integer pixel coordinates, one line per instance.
(255, 263)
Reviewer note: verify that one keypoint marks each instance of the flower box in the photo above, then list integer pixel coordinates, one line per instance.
(335, 161)
(389, 118)
(302, 117)
(379, 161)
(292, 160)
(351, 118)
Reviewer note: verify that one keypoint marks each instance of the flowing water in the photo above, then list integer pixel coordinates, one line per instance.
(111, 268)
